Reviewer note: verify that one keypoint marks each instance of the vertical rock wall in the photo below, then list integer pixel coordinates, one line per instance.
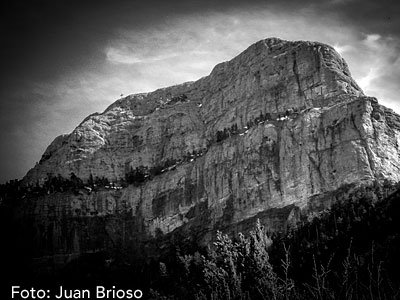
(278, 125)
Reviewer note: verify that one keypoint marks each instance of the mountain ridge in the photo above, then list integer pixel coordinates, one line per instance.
(147, 103)
(277, 130)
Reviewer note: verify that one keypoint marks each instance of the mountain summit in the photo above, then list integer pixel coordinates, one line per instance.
(270, 77)
(278, 129)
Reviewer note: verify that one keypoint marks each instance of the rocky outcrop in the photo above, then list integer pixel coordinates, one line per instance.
(271, 76)
(265, 133)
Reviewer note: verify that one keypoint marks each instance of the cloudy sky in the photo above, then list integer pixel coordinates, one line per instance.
(62, 60)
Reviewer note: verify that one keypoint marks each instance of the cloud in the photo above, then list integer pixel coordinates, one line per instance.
(375, 65)
(122, 55)
(342, 49)
(185, 49)
(371, 40)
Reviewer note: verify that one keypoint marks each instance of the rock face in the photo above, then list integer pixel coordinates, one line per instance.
(262, 135)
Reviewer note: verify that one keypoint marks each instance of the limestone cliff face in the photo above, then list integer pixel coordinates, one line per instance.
(278, 125)
(271, 76)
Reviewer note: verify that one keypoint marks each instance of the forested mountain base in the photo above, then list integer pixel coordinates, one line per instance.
(350, 251)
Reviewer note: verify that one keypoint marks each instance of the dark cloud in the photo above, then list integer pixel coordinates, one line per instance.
(372, 16)
(58, 36)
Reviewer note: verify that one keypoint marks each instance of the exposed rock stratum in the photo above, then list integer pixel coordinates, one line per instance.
(279, 129)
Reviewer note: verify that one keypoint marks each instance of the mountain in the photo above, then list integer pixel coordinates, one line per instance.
(278, 131)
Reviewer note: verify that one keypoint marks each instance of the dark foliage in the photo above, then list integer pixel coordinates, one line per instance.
(233, 130)
(179, 98)
(141, 174)
(350, 251)
(347, 252)
(14, 189)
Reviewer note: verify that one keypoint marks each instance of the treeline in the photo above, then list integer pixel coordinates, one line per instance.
(141, 174)
(234, 130)
(356, 232)
(135, 176)
(14, 188)
(175, 99)
(178, 98)
(349, 252)
(10, 189)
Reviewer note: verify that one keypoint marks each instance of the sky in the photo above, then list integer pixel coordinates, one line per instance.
(63, 60)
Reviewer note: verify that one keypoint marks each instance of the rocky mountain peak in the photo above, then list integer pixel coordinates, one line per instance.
(279, 129)
(272, 76)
